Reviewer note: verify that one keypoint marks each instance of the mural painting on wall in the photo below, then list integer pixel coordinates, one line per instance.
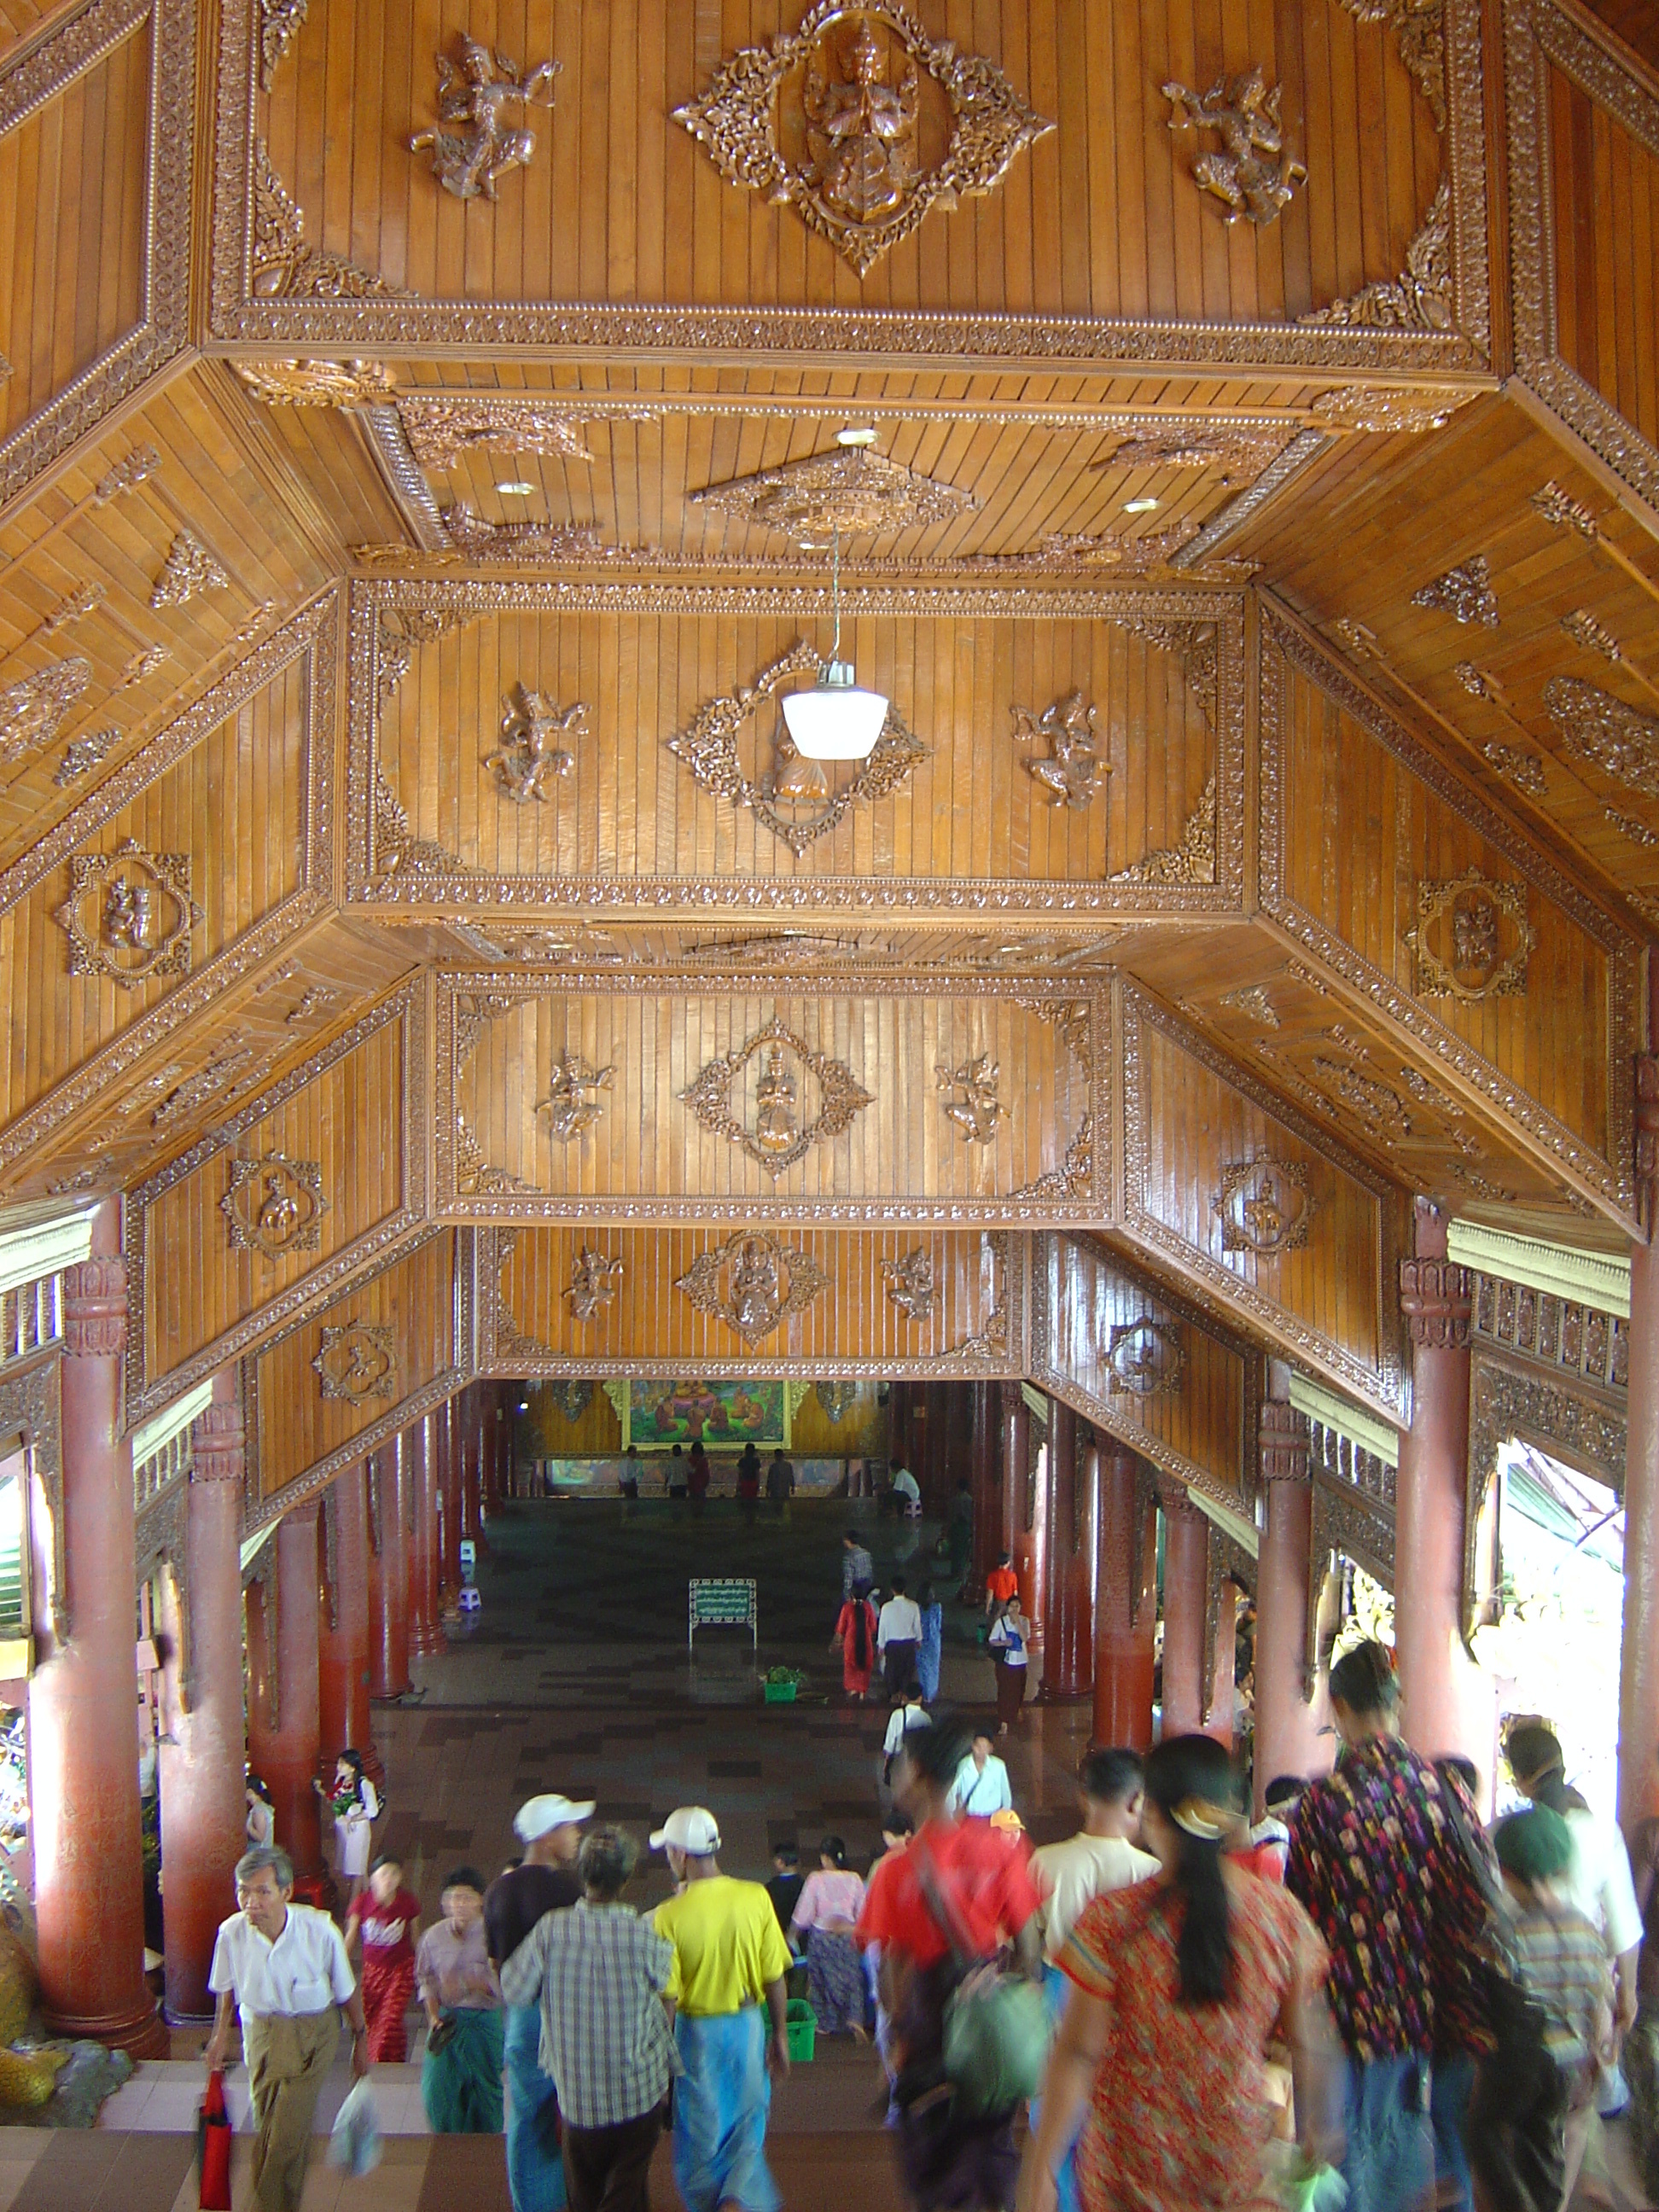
(663, 1414)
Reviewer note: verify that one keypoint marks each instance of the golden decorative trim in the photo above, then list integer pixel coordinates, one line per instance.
(780, 1137)
(1191, 861)
(318, 382)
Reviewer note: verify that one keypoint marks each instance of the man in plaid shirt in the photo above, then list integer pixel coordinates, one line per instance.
(598, 1973)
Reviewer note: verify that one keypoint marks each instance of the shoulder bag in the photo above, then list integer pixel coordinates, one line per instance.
(996, 2025)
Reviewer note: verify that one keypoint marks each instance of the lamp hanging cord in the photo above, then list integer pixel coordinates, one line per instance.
(835, 589)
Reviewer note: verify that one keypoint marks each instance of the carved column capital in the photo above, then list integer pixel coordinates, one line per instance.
(1436, 1296)
(1177, 1500)
(1282, 1436)
(1013, 1398)
(1647, 1140)
(95, 1308)
(218, 1445)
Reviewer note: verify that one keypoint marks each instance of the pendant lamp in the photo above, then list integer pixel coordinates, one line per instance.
(835, 720)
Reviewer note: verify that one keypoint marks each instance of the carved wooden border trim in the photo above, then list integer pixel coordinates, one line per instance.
(1537, 32)
(30, 1402)
(1345, 1520)
(312, 633)
(1610, 1177)
(464, 887)
(146, 1393)
(1465, 162)
(512, 988)
(1382, 1387)
(38, 73)
(1564, 1416)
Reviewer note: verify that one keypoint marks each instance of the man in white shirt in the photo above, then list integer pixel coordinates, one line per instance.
(283, 1968)
(907, 1491)
(1100, 1856)
(981, 1784)
(898, 1631)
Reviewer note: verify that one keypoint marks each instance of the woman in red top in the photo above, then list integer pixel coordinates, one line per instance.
(384, 1920)
(856, 1633)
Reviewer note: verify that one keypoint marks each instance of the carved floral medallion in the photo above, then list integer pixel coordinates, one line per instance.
(33, 709)
(1074, 770)
(969, 1097)
(861, 122)
(129, 915)
(1609, 731)
(1471, 939)
(1144, 1359)
(753, 1283)
(358, 1360)
(572, 1105)
(910, 1283)
(275, 1206)
(592, 1285)
(1464, 592)
(853, 490)
(1264, 1207)
(530, 751)
(774, 1128)
(794, 798)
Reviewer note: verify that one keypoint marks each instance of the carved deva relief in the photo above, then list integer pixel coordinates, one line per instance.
(572, 1105)
(1471, 939)
(861, 122)
(910, 1284)
(1253, 174)
(752, 1283)
(1608, 731)
(1144, 1359)
(275, 1206)
(530, 751)
(477, 95)
(1074, 770)
(129, 915)
(592, 1285)
(1264, 1205)
(359, 1361)
(794, 797)
(777, 1129)
(969, 1097)
(31, 710)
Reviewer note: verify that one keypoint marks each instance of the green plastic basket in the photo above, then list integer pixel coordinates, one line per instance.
(780, 1693)
(801, 2029)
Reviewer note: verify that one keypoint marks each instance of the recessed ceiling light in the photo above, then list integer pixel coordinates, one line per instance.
(851, 437)
(1130, 505)
(516, 488)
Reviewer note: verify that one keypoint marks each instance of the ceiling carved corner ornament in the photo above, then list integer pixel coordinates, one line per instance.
(753, 1284)
(283, 266)
(853, 490)
(32, 709)
(1194, 645)
(1074, 770)
(778, 1135)
(1144, 1359)
(864, 87)
(317, 383)
(1471, 939)
(440, 431)
(129, 915)
(992, 1345)
(1464, 592)
(1074, 1178)
(794, 798)
(1190, 861)
(910, 1284)
(358, 1361)
(395, 648)
(1264, 1207)
(1597, 726)
(530, 751)
(474, 1176)
(1253, 174)
(1420, 299)
(275, 1206)
(1421, 28)
(279, 26)
(188, 571)
(592, 1285)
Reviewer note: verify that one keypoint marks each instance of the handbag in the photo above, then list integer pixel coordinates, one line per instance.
(212, 2134)
(996, 2024)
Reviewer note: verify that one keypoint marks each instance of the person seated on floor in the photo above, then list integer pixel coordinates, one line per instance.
(906, 1493)
(787, 1884)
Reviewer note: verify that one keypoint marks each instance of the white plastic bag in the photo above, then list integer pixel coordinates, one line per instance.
(355, 2142)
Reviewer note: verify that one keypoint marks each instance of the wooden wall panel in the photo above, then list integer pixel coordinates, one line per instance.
(200, 1296)
(648, 1155)
(545, 1432)
(301, 1438)
(1100, 217)
(1204, 1430)
(1356, 816)
(1188, 1117)
(851, 1327)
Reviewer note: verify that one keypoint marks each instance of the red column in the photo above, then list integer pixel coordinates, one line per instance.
(1016, 1527)
(1185, 1590)
(426, 1627)
(1083, 1562)
(283, 1721)
(986, 1477)
(1445, 1704)
(1220, 1659)
(449, 1432)
(202, 1754)
(1063, 1675)
(1638, 1686)
(388, 1579)
(491, 1452)
(1126, 1552)
(343, 1668)
(1287, 1741)
(84, 1737)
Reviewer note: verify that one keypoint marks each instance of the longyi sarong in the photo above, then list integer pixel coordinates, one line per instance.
(722, 2102)
(461, 2084)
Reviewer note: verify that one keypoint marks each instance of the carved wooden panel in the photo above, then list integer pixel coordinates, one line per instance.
(619, 209)
(1083, 1297)
(648, 1154)
(298, 1437)
(631, 824)
(351, 1112)
(848, 1326)
(97, 126)
(1242, 1196)
(1343, 777)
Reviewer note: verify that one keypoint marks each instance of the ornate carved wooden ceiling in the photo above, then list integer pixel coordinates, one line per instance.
(395, 829)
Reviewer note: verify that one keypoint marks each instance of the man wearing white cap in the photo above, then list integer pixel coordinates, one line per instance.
(729, 1955)
(550, 1828)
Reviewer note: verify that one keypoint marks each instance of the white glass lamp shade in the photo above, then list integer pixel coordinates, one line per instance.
(835, 721)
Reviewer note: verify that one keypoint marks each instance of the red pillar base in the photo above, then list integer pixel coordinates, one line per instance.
(145, 2037)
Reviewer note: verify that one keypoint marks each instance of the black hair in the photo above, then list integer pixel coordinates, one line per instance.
(963, 1483)
(385, 1859)
(924, 1596)
(1284, 1790)
(1004, 1558)
(861, 1602)
(354, 1759)
(936, 1752)
(261, 1789)
(1364, 1680)
(1112, 1775)
(899, 1586)
(607, 1857)
(678, 1452)
(789, 1853)
(1188, 1769)
(835, 1850)
(851, 1536)
(464, 1877)
(1534, 1753)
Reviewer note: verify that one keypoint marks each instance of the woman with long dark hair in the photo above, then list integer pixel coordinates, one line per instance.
(855, 1635)
(1178, 1985)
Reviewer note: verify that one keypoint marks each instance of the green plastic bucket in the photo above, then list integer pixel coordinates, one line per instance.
(801, 2029)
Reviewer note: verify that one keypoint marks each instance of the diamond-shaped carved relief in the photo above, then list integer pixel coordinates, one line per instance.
(776, 1131)
(275, 1206)
(129, 915)
(1471, 938)
(861, 122)
(853, 490)
(1265, 1206)
(358, 1360)
(752, 1283)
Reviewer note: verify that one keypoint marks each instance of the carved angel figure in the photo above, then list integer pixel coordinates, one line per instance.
(478, 95)
(861, 132)
(775, 1128)
(1074, 770)
(977, 1112)
(279, 1213)
(593, 1284)
(128, 908)
(1475, 934)
(568, 1108)
(528, 753)
(1253, 175)
(757, 1290)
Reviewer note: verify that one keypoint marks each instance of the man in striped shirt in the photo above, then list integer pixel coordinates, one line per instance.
(598, 1973)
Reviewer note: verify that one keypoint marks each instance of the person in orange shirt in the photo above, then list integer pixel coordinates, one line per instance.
(1000, 1584)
